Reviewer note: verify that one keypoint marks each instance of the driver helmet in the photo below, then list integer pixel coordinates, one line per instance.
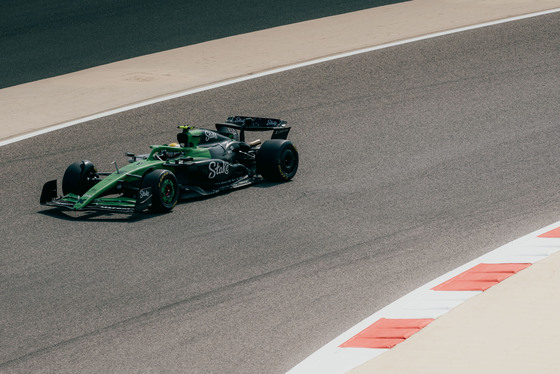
(172, 154)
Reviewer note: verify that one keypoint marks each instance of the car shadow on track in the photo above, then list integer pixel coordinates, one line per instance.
(94, 216)
(103, 216)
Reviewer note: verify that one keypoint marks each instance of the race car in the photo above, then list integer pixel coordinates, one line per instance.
(203, 162)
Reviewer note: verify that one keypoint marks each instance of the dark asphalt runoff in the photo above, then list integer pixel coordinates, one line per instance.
(414, 160)
(41, 39)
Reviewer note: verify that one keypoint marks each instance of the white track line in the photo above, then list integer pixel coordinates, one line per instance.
(265, 73)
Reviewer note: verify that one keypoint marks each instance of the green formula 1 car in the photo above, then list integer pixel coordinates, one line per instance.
(203, 162)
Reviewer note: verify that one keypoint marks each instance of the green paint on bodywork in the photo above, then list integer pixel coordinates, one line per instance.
(157, 159)
(193, 135)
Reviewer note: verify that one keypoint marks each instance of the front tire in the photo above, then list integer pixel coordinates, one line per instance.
(165, 190)
(277, 160)
(78, 178)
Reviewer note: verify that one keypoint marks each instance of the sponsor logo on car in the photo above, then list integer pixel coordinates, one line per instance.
(217, 168)
(272, 122)
(144, 193)
(210, 135)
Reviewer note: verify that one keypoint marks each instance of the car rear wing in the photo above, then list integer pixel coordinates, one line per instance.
(242, 124)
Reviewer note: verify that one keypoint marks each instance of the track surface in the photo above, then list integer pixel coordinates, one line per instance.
(414, 160)
(42, 39)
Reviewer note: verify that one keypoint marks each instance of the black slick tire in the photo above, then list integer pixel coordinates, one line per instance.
(165, 190)
(78, 177)
(277, 160)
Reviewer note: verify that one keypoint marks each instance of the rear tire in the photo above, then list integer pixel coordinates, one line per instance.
(78, 177)
(165, 190)
(277, 160)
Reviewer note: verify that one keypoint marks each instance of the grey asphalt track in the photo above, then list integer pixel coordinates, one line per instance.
(414, 160)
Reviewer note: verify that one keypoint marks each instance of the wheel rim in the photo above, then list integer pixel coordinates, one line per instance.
(288, 161)
(167, 191)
